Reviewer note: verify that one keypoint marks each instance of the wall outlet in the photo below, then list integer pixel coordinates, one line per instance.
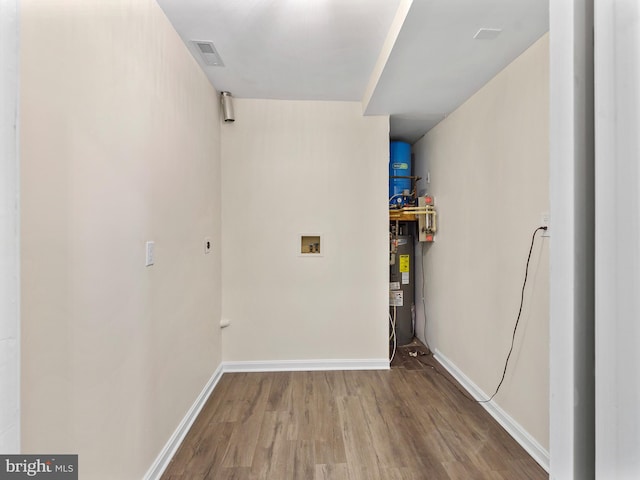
(208, 244)
(544, 222)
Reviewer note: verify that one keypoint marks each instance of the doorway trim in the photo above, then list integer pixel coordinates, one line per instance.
(571, 328)
(9, 229)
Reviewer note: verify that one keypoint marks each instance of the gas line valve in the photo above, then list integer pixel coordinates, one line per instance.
(427, 224)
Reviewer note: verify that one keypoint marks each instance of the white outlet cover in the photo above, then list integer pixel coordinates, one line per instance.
(208, 245)
(544, 222)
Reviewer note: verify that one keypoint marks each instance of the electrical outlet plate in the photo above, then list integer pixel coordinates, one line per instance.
(208, 244)
(544, 222)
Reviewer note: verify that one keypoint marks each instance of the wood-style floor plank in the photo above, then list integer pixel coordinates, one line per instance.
(408, 423)
(331, 471)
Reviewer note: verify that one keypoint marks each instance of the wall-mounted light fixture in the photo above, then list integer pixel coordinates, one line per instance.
(227, 107)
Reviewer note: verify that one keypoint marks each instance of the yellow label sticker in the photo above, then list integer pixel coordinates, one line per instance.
(404, 263)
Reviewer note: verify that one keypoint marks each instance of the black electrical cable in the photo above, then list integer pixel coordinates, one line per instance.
(515, 328)
(513, 337)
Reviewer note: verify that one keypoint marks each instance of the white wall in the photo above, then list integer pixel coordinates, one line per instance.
(120, 144)
(572, 248)
(617, 85)
(9, 232)
(304, 167)
(488, 163)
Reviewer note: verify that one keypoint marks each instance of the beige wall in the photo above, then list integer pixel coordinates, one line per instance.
(119, 145)
(489, 173)
(304, 167)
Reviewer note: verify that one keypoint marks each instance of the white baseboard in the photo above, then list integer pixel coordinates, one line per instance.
(520, 435)
(166, 454)
(306, 365)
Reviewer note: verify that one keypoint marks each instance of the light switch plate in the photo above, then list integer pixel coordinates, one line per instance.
(149, 253)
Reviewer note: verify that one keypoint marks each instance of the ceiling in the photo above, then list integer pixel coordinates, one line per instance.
(416, 61)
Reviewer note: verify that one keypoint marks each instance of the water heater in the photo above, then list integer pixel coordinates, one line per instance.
(401, 287)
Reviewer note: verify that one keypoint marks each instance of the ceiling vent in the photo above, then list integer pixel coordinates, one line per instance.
(487, 33)
(208, 53)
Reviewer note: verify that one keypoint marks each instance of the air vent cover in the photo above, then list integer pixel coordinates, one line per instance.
(208, 53)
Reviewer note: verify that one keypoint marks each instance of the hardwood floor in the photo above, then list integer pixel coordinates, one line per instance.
(406, 423)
